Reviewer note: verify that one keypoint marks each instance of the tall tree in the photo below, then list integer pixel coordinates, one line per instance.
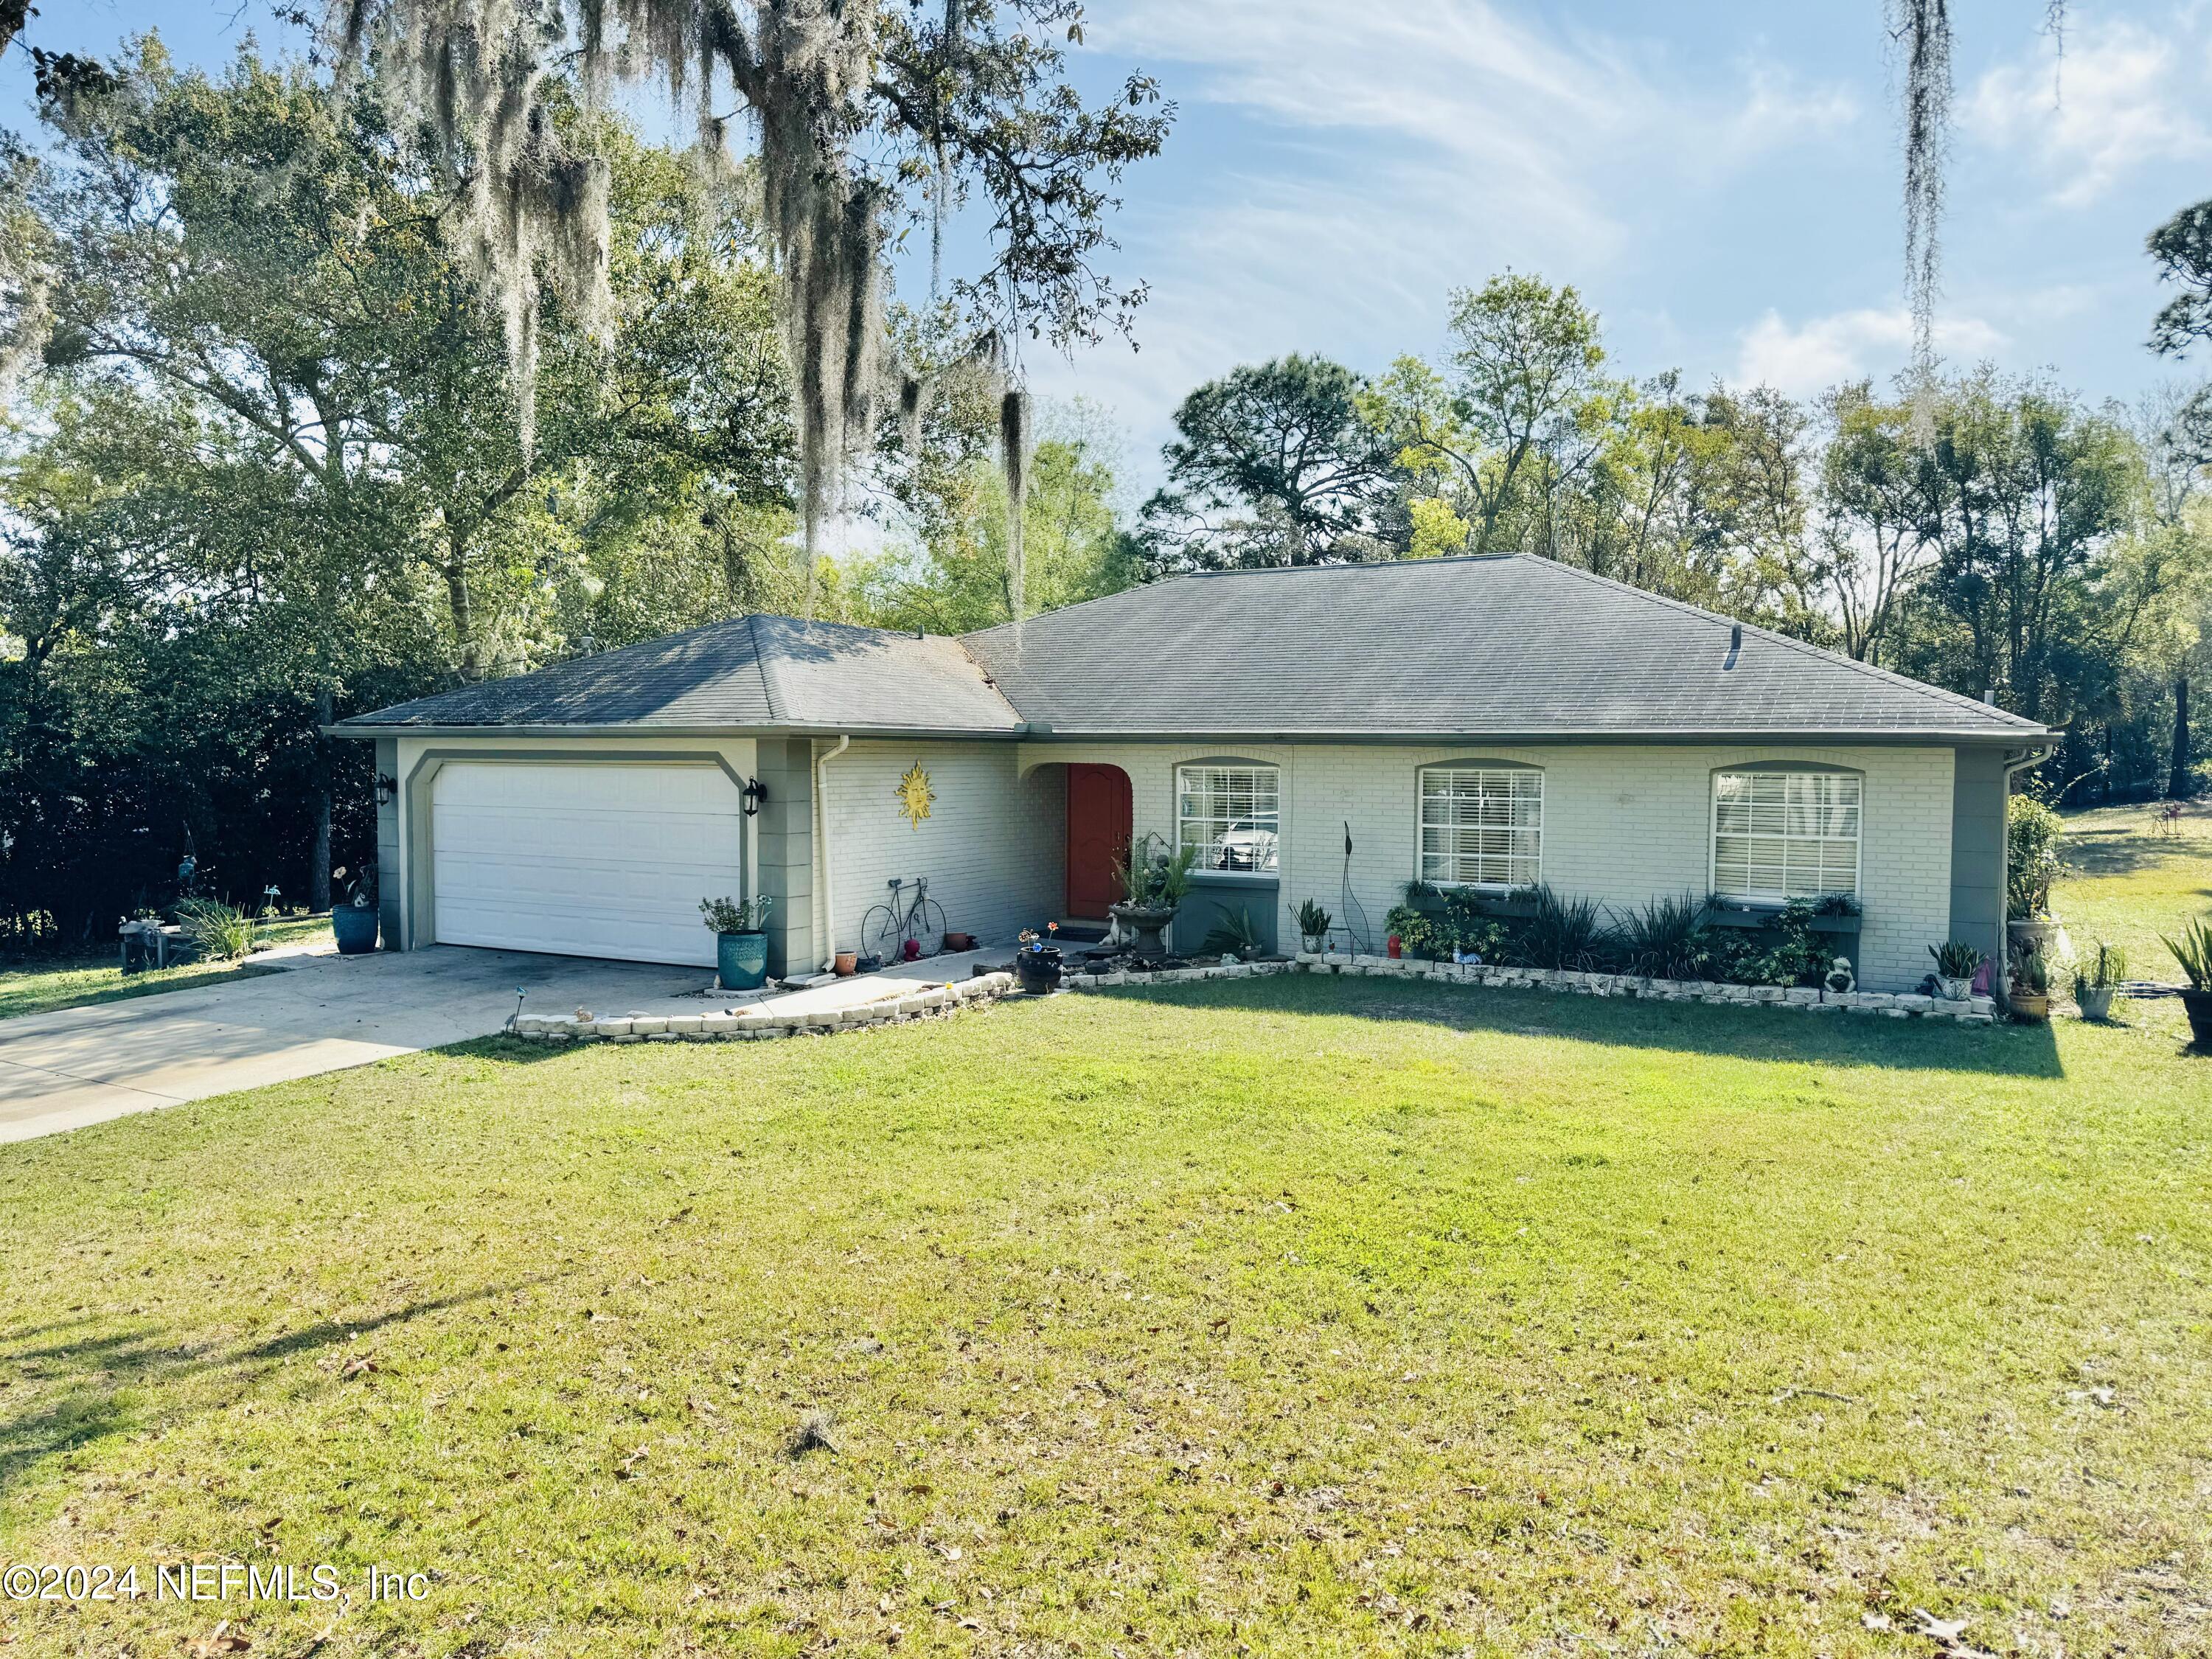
(1274, 464)
(1519, 410)
(1877, 523)
(867, 113)
(2025, 491)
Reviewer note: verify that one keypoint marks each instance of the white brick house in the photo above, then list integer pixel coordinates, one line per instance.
(1327, 732)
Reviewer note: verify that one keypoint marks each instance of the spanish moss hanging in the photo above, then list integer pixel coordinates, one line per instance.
(862, 113)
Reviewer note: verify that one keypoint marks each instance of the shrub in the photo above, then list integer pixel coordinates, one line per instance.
(1419, 935)
(1660, 939)
(221, 933)
(1566, 933)
(725, 915)
(1234, 934)
(2032, 832)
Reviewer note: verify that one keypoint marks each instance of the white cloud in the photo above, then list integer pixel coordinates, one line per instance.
(2122, 97)
(1805, 360)
(1372, 156)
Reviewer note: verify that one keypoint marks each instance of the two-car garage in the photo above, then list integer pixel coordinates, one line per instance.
(581, 857)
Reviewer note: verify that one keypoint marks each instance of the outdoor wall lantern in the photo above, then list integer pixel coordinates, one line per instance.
(386, 789)
(756, 794)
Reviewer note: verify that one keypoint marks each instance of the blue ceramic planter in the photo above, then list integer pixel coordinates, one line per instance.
(355, 928)
(741, 961)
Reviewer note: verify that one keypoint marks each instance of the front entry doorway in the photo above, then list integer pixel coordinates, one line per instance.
(1099, 825)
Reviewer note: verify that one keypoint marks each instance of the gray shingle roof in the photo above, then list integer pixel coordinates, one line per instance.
(753, 672)
(1491, 647)
(1502, 647)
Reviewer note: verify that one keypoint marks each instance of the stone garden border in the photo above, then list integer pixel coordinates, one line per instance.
(937, 1001)
(1975, 1011)
(763, 1022)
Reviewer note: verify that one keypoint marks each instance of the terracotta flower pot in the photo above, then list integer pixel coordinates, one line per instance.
(847, 963)
(960, 941)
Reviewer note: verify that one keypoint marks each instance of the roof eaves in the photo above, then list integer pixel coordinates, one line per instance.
(355, 728)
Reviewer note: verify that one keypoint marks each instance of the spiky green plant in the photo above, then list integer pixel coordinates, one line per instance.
(1956, 959)
(222, 933)
(2193, 950)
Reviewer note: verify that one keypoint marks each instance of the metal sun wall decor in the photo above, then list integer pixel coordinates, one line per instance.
(914, 795)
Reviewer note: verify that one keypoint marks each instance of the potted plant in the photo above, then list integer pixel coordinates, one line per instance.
(1313, 928)
(2031, 985)
(2032, 865)
(740, 929)
(353, 919)
(2097, 979)
(2193, 950)
(1153, 883)
(1956, 961)
(1037, 963)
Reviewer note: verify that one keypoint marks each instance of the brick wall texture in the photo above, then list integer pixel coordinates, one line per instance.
(993, 845)
(1622, 824)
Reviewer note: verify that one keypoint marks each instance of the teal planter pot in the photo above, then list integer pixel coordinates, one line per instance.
(355, 928)
(741, 961)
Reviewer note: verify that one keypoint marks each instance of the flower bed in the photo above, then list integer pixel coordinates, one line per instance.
(764, 1023)
(1975, 1011)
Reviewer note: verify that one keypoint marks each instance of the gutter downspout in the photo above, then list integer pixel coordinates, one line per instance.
(821, 842)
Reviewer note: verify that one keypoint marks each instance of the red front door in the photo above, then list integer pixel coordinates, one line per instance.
(1099, 823)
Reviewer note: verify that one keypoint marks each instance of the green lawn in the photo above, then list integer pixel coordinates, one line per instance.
(2137, 881)
(42, 984)
(1284, 1315)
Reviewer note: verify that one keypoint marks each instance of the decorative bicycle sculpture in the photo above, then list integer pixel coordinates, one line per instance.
(906, 927)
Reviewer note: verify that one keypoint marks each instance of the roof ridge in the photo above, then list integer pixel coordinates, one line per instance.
(1803, 647)
(1062, 610)
(770, 693)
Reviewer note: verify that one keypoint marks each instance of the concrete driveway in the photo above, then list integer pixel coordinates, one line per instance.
(323, 1014)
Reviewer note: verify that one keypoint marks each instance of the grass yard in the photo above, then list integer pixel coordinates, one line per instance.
(1278, 1316)
(40, 985)
(2138, 882)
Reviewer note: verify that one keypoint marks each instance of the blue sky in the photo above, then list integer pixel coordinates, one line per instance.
(1720, 179)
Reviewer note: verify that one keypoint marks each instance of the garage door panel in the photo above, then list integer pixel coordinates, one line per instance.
(607, 860)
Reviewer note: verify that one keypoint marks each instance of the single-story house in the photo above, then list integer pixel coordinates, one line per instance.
(1326, 733)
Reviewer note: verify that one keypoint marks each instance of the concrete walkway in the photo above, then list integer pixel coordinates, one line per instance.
(325, 1013)
(322, 1014)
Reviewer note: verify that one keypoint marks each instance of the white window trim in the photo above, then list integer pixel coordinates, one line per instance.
(1420, 852)
(1713, 828)
(1272, 876)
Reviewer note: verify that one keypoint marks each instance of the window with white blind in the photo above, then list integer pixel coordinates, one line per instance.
(1482, 825)
(1780, 835)
(1231, 814)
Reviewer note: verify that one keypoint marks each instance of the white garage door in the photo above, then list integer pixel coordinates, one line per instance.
(592, 861)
